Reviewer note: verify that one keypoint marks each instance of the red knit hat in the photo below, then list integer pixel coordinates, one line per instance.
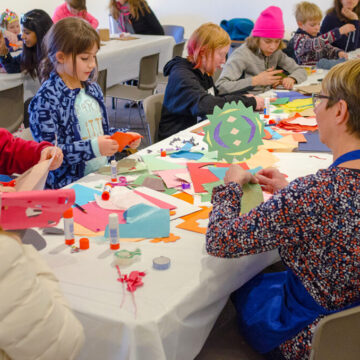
(269, 24)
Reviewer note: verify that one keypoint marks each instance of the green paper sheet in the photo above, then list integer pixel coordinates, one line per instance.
(252, 197)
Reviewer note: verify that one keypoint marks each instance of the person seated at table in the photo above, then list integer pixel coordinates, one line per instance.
(343, 12)
(75, 8)
(35, 25)
(308, 44)
(135, 17)
(190, 93)
(9, 22)
(254, 66)
(314, 224)
(69, 106)
(18, 155)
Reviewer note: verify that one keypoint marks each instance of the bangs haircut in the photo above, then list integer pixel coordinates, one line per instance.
(306, 11)
(253, 43)
(77, 4)
(343, 83)
(204, 41)
(72, 36)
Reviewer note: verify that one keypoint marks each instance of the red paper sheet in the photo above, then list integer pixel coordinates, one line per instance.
(201, 175)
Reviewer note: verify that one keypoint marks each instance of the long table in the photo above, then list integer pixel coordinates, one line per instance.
(176, 308)
(121, 58)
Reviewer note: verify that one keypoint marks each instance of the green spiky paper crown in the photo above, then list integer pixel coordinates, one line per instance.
(235, 132)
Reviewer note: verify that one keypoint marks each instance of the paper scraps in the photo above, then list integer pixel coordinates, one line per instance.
(170, 238)
(190, 221)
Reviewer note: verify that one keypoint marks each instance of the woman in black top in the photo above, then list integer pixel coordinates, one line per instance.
(135, 16)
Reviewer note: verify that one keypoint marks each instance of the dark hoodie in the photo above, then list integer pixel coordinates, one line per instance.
(188, 96)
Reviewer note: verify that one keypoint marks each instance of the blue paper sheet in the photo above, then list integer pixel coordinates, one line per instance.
(187, 155)
(84, 194)
(313, 143)
(144, 221)
(292, 95)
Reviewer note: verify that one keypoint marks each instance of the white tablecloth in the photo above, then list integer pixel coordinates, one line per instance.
(120, 58)
(176, 308)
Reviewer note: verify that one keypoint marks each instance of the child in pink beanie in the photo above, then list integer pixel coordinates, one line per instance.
(252, 67)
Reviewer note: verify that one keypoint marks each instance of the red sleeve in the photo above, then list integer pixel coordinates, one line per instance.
(18, 155)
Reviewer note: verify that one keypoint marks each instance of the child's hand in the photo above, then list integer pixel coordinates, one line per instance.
(345, 29)
(134, 144)
(267, 77)
(342, 54)
(288, 83)
(349, 14)
(48, 152)
(3, 48)
(107, 146)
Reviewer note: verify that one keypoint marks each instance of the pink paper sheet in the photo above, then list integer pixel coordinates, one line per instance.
(169, 177)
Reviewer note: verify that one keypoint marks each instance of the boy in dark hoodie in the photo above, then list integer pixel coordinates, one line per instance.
(307, 44)
(190, 93)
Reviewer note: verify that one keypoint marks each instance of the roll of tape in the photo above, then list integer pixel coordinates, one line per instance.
(161, 263)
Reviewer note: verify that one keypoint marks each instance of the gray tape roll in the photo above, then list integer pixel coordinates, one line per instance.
(161, 263)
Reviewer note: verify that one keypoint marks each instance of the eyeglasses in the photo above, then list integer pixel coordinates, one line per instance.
(316, 99)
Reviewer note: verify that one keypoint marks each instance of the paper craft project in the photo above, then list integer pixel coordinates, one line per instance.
(313, 143)
(262, 158)
(154, 163)
(185, 153)
(289, 124)
(144, 221)
(26, 209)
(95, 218)
(171, 238)
(84, 194)
(124, 139)
(201, 175)
(298, 105)
(280, 101)
(307, 121)
(285, 144)
(190, 221)
(309, 89)
(34, 178)
(124, 166)
(234, 131)
(182, 208)
(170, 177)
(199, 129)
(252, 197)
(292, 95)
(154, 183)
(185, 197)
(82, 231)
(209, 188)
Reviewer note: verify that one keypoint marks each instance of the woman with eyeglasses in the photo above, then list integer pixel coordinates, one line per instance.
(35, 24)
(313, 221)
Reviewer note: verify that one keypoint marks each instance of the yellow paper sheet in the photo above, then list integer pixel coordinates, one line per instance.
(262, 158)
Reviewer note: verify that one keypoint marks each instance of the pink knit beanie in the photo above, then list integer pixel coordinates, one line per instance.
(269, 24)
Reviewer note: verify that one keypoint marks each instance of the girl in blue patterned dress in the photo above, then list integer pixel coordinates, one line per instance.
(314, 222)
(69, 107)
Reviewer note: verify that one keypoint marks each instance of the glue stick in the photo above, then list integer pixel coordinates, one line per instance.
(106, 192)
(69, 226)
(266, 108)
(114, 231)
(113, 165)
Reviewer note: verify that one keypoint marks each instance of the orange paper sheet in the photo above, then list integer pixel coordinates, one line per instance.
(185, 196)
(171, 238)
(190, 221)
(124, 139)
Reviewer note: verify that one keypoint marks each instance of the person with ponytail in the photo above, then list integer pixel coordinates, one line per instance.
(69, 107)
(135, 16)
(35, 24)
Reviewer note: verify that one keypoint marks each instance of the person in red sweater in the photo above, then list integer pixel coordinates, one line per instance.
(18, 155)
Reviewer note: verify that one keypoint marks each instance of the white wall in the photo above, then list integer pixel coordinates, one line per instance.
(189, 13)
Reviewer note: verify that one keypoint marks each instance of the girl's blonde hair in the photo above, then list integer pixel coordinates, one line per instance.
(70, 35)
(136, 8)
(204, 41)
(343, 83)
(253, 43)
